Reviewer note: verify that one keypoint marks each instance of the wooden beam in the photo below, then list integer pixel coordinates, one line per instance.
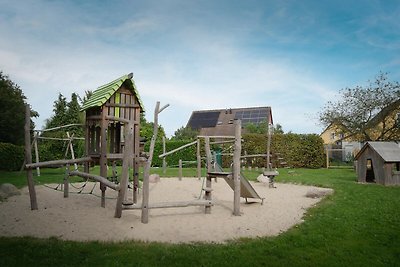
(217, 136)
(198, 159)
(57, 162)
(122, 105)
(113, 156)
(178, 204)
(222, 142)
(28, 158)
(97, 178)
(236, 167)
(176, 149)
(113, 118)
(128, 155)
(60, 127)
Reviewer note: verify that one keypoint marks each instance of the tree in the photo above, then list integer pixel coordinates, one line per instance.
(278, 129)
(260, 128)
(146, 129)
(185, 133)
(12, 110)
(365, 113)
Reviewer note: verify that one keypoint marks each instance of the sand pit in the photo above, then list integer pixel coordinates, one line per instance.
(81, 218)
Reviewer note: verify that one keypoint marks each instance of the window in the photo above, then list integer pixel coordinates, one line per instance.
(332, 136)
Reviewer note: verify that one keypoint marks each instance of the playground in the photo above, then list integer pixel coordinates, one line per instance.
(222, 205)
(79, 217)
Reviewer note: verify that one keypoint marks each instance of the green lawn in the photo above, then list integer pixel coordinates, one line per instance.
(359, 225)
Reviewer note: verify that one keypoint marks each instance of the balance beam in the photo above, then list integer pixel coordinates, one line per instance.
(96, 178)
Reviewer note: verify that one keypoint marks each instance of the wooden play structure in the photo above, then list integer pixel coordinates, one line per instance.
(379, 162)
(112, 121)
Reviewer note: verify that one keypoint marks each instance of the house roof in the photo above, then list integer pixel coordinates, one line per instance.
(219, 121)
(104, 92)
(389, 151)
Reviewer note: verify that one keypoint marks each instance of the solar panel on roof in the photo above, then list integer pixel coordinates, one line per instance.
(204, 119)
(255, 116)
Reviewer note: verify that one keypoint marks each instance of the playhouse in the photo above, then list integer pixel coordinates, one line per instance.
(379, 162)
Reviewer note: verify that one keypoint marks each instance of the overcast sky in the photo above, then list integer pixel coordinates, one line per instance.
(291, 55)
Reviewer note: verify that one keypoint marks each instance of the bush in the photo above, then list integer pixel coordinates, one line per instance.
(11, 157)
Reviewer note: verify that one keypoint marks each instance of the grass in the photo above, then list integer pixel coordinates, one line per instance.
(359, 225)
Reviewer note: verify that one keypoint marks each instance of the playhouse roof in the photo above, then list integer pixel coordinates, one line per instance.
(389, 151)
(104, 92)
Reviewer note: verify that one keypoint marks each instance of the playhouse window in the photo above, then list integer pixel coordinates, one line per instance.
(396, 166)
(369, 164)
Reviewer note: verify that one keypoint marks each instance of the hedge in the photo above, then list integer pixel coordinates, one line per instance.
(11, 157)
(296, 150)
(186, 154)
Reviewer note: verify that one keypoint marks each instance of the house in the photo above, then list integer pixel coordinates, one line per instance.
(219, 122)
(379, 162)
(341, 148)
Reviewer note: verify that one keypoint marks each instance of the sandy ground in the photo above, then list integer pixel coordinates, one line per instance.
(80, 216)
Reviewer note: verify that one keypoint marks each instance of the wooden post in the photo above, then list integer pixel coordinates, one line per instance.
(207, 195)
(103, 154)
(87, 145)
(128, 155)
(71, 148)
(269, 146)
(236, 167)
(146, 185)
(164, 160)
(36, 152)
(208, 153)
(180, 169)
(66, 183)
(327, 157)
(28, 158)
(136, 154)
(198, 159)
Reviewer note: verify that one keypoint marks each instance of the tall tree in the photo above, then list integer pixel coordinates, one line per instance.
(365, 113)
(12, 110)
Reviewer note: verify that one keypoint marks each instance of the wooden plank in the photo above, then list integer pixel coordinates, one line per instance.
(28, 158)
(57, 162)
(97, 178)
(119, 119)
(120, 105)
(114, 156)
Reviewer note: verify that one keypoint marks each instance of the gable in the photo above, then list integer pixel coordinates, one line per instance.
(388, 151)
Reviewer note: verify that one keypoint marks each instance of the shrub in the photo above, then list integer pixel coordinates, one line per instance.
(11, 157)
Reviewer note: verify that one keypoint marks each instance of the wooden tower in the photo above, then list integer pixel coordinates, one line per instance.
(108, 111)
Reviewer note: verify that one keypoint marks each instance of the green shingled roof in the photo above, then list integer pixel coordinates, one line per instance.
(104, 92)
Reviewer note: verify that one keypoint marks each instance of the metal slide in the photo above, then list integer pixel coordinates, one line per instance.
(246, 189)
